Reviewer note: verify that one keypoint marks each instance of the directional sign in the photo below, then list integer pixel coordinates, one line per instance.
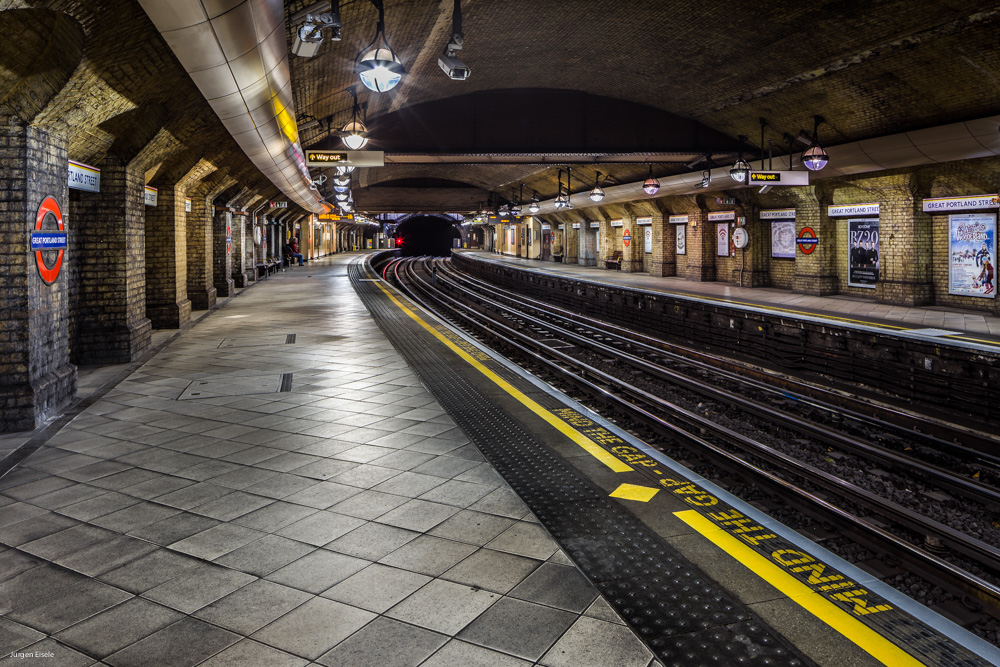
(345, 158)
(779, 178)
(807, 240)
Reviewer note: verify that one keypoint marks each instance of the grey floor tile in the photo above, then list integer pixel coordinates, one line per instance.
(396, 439)
(243, 477)
(194, 495)
(233, 505)
(403, 460)
(248, 653)
(428, 555)
(525, 539)
(264, 556)
(320, 528)
(174, 528)
(377, 587)
(13, 563)
(287, 462)
(436, 446)
(252, 607)
(454, 492)
(183, 644)
(118, 627)
(38, 526)
(468, 452)
(472, 527)
(323, 495)
(314, 628)
(385, 643)
(520, 628)
(443, 606)
(418, 515)
(67, 541)
(593, 643)
(14, 636)
(602, 611)
(52, 610)
(317, 571)
(365, 476)
(280, 486)
(369, 504)
(150, 571)
(157, 486)
(198, 587)
(67, 496)
(492, 570)
(208, 469)
(461, 654)
(24, 587)
(325, 469)
(502, 501)
(98, 506)
(362, 453)
(16, 512)
(446, 466)
(372, 541)
(217, 540)
(275, 516)
(557, 586)
(107, 555)
(141, 514)
(482, 474)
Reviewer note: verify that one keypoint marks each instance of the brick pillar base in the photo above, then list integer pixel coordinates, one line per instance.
(204, 299)
(169, 316)
(114, 345)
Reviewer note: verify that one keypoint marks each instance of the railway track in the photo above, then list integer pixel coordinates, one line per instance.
(631, 375)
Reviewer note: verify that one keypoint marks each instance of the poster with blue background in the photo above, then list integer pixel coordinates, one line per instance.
(972, 252)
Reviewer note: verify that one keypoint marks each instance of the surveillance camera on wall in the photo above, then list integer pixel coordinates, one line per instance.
(309, 36)
(454, 68)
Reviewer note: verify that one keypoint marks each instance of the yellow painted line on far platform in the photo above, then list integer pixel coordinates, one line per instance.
(837, 618)
(583, 441)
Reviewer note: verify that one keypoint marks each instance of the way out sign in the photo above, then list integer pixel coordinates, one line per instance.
(627, 237)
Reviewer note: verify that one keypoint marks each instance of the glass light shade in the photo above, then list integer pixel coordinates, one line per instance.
(597, 194)
(355, 138)
(380, 70)
(740, 171)
(515, 210)
(533, 207)
(342, 180)
(815, 158)
(651, 186)
(341, 188)
(342, 196)
(344, 170)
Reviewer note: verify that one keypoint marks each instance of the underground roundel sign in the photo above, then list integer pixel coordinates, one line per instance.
(627, 237)
(229, 239)
(49, 245)
(807, 240)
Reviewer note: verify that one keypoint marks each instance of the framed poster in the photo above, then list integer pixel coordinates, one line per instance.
(863, 260)
(647, 237)
(783, 239)
(722, 237)
(681, 231)
(972, 245)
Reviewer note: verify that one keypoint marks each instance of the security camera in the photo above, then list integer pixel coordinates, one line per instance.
(309, 35)
(453, 67)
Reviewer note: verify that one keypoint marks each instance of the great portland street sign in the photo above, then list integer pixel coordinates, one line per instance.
(45, 242)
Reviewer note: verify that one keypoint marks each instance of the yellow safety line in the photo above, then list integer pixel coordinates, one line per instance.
(870, 641)
(589, 445)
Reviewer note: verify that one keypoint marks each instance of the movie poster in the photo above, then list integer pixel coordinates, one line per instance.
(971, 251)
(783, 239)
(722, 236)
(863, 261)
(681, 239)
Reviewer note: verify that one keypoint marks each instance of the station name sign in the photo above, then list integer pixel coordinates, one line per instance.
(644, 221)
(345, 158)
(678, 219)
(721, 216)
(778, 214)
(616, 223)
(150, 196)
(84, 177)
(852, 209)
(780, 177)
(595, 225)
(576, 225)
(961, 203)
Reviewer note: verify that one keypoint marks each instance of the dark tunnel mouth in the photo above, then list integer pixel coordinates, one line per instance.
(428, 235)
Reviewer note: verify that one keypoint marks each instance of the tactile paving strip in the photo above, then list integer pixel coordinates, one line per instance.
(682, 615)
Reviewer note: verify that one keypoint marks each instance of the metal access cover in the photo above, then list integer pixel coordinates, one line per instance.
(237, 386)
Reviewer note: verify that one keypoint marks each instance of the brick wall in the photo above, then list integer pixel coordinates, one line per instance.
(200, 289)
(222, 256)
(36, 378)
(167, 305)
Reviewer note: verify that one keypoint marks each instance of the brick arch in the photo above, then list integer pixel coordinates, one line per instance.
(37, 65)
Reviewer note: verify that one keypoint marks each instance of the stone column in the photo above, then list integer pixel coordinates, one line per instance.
(167, 305)
(222, 251)
(632, 253)
(905, 238)
(36, 377)
(110, 300)
(663, 261)
(815, 273)
(240, 246)
(700, 247)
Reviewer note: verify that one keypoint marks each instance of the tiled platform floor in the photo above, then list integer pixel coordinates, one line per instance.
(930, 317)
(196, 515)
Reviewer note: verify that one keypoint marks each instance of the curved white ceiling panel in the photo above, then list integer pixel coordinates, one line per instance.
(235, 52)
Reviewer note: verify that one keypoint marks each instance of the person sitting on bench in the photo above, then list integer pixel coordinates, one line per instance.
(293, 246)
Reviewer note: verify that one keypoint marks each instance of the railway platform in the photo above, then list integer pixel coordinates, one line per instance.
(321, 472)
(929, 322)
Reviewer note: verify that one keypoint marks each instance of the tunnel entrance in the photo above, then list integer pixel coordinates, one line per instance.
(426, 235)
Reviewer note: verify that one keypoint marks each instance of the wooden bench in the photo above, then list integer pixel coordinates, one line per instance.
(615, 261)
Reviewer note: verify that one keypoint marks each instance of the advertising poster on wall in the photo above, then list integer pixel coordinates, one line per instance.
(647, 237)
(783, 239)
(972, 251)
(681, 239)
(722, 237)
(863, 260)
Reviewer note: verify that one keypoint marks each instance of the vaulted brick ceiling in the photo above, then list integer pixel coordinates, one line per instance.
(869, 68)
